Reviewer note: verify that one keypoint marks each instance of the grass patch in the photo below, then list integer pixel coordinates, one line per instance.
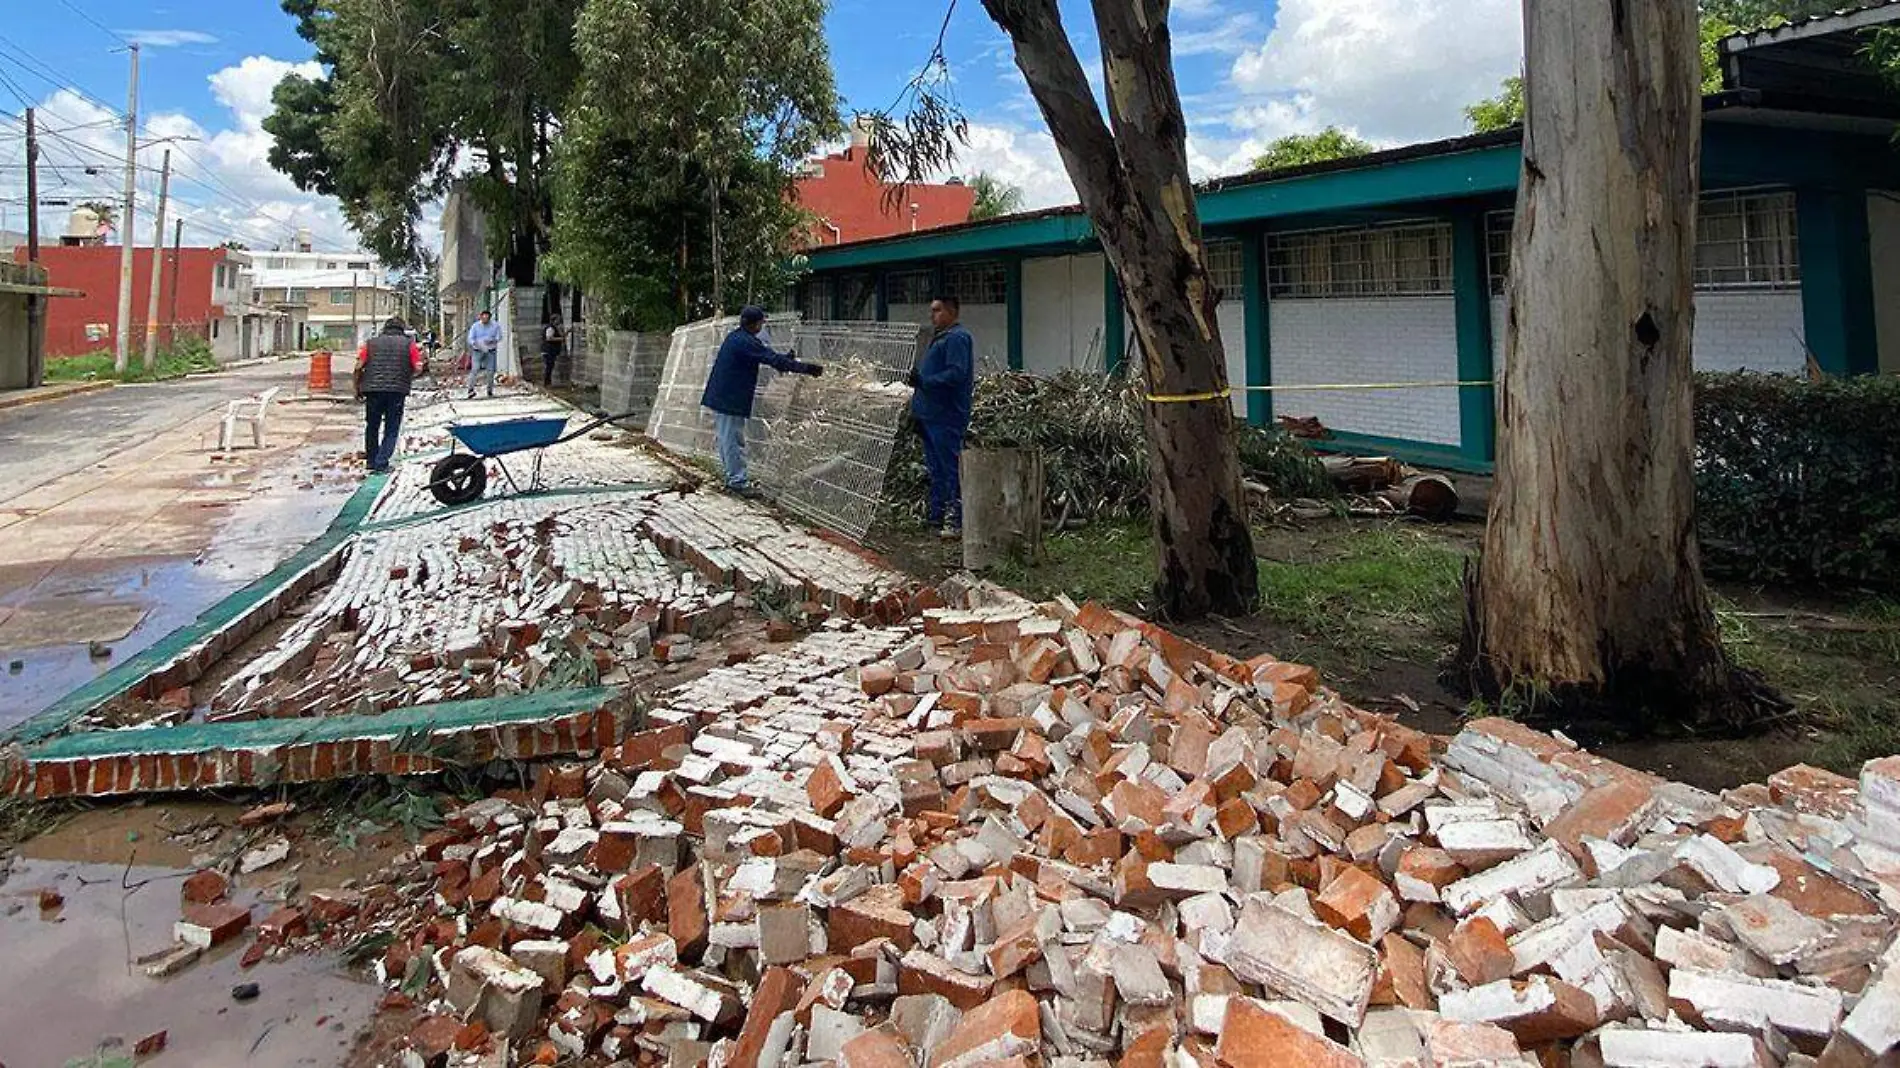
(1841, 668)
(190, 357)
(1361, 594)
(1108, 561)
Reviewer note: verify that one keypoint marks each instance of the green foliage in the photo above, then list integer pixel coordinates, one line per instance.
(1501, 111)
(1756, 14)
(413, 90)
(994, 197)
(1798, 479)
(729, 99)
(191, 355)
(1088, 427)
(1299, 150)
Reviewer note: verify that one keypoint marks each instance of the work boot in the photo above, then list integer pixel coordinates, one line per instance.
(747, 491)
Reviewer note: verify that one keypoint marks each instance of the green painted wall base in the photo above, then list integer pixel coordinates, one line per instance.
(1416, 453)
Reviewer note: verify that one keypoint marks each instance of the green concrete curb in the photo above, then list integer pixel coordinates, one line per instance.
(131, 672)
(271, 733)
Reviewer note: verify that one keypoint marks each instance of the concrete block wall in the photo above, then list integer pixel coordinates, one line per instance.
(1401, 339)
(1735, 330)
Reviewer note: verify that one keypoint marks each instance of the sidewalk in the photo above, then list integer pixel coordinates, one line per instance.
(108, 558)
(19, 398)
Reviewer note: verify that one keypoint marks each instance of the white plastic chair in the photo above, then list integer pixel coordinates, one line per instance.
(235, 413)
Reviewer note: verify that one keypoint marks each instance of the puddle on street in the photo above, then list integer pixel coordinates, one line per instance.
(72, 984)
(47, 624)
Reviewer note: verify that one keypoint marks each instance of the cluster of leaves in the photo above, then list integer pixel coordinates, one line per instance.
(690, 158)
(1299, 150)
(418, 93)
(1799, 479)
(994, 197)
(1088, 428)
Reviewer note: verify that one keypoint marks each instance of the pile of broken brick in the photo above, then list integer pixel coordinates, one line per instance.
(1026, 833)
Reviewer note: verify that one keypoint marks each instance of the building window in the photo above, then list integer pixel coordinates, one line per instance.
(362, 265)
(908, 287)
(1226, 268)
(341, 296)
(215, 323)
(976, 283)
(297, 296)
(857, 295)
(1744, 240)
(1389, 261)
(1747, 240)
(814, 299)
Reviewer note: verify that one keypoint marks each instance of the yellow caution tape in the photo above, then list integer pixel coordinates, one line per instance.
(1189, 398)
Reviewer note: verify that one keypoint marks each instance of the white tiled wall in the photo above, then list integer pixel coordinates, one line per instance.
(1735, 330)
(1064, 312)
(988, 324)
(1233, 336)
(1384, 340)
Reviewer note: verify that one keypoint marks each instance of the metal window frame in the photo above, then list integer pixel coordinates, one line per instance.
(1361, 262)
(977, 281)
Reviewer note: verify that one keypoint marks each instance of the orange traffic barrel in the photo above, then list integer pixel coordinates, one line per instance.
(320, 372)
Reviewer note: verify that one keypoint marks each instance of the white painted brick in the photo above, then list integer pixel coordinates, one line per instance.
(1398, 339)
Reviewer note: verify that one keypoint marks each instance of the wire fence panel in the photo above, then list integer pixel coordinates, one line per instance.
(821, 446)
(678, 422)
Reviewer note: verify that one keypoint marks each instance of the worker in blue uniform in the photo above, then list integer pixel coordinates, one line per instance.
(945, 383)
(730, 388)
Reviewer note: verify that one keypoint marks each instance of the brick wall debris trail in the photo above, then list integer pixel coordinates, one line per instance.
(1019, 834)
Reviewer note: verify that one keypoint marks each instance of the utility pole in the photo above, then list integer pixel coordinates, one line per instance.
(355, 330)
(122, 351)
(178, 244)
(35, 331)
(158, 255)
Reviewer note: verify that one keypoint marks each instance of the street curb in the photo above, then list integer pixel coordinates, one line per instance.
(60, 391)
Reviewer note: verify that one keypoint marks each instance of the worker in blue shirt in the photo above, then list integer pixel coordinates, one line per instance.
(945, 382)
(484, 343)
(729, 390)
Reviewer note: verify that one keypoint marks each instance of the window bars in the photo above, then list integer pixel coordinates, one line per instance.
(976, 283)
(1745, 239)
(1226, 267)
(1387, 261)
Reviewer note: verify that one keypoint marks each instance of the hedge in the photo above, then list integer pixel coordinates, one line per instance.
(1799, 480)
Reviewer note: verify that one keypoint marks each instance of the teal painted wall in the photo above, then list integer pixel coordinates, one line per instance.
(1471, 291)
(1013, 308)
(1115, 329)
(1837, 280)
(1253, 249)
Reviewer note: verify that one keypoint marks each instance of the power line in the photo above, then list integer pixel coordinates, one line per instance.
(102, 27)
(26, 61)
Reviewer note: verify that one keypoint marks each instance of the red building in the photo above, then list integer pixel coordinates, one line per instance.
(851, 204)
(209, 301)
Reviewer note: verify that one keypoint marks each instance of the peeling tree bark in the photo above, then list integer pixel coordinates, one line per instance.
(1134, 184)
(1590, 587)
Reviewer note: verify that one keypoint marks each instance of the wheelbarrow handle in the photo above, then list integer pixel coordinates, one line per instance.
(593, 426)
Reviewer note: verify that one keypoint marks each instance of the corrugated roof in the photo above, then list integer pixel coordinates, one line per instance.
(1850, 18)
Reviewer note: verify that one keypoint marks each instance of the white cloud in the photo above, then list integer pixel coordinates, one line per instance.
(168, 38)
(1024, 158)
(1397, 70)
(222, 182)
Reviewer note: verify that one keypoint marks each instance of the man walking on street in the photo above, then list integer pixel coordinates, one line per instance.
(385, 367)
(553, 340)
(945, 383)
(484, 338)
(729, 390)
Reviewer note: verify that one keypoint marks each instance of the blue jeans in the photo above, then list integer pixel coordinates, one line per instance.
(731, 433)
(943, 458)
(382, 426)
(480, 360)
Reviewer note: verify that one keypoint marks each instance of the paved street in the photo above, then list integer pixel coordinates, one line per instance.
(42, 442)
(120, 522)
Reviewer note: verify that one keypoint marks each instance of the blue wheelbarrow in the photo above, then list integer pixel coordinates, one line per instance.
(461, 477)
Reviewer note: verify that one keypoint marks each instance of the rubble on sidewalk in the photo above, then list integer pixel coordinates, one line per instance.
(1016, 834)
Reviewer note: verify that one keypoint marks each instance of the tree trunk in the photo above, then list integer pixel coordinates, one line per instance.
(1590, 585)
(1135, 187)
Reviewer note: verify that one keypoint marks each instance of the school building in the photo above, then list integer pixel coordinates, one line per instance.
(1391, 267)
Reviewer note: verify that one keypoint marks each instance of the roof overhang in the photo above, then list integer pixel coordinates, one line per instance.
(1817, 64)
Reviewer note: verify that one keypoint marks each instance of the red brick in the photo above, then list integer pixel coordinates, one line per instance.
(1480, 952)
(875, 1049)
(1253, 1036)
(686, 918)
(1358, 904)
(877, 913)
(205, 888)
(1008, 1025)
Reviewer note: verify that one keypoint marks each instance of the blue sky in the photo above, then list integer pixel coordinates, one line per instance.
(1393, 71)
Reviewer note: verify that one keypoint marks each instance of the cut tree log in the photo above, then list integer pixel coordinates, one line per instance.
(1002, 506)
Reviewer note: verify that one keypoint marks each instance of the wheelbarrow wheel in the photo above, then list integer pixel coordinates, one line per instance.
(458, 478)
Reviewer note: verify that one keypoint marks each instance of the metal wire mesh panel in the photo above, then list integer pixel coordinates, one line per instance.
(821, 446)
(630, 368)
(678, 422)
